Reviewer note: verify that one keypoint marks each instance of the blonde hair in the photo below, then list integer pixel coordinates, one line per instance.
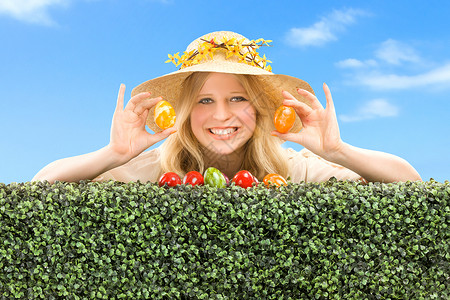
(181, 152)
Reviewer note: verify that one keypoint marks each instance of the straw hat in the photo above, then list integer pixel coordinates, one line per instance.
(222, 52)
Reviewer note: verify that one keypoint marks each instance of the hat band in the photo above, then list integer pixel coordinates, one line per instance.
(238, 50)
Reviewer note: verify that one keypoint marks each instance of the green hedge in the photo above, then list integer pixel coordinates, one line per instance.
(336, 240)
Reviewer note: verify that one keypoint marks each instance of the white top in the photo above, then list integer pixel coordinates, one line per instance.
(304, 166)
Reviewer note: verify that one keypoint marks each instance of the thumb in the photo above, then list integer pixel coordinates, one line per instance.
(159, 136)
(290, 136)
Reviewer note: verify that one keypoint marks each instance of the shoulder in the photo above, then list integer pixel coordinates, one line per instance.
(303, 156)
(144, 167)
(145, 158)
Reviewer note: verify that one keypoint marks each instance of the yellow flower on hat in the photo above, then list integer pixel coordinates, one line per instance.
(264, 61)
(263, 42)
(207, 46)
(186, 64)
(228, 42)
(266, 42)
(172, 58)
(239, 42)
(234, 50)
(187, 55)
(202, 53)
(242, 59)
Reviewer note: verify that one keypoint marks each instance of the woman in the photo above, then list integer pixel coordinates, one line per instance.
(225, 96)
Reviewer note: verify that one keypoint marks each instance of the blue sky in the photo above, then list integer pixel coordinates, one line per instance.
(62, 61)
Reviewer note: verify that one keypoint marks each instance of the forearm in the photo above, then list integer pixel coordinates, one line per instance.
(374, 165)
(82, 167)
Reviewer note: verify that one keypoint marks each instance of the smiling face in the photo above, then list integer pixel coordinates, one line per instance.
(222, 118)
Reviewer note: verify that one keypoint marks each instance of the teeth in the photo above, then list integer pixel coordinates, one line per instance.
(223, 131)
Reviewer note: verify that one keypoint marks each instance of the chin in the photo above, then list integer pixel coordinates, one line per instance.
(222, 148)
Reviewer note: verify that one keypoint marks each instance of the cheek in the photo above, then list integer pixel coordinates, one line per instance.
(248, 116)
(198, 117)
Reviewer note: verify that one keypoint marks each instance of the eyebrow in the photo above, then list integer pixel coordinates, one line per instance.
(210, 95)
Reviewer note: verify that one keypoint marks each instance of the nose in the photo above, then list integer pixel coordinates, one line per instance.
(222, 111)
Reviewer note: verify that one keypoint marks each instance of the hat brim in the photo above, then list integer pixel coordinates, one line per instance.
(169, 86)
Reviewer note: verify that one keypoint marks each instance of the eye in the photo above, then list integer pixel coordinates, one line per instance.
(205, 101)
(238, 99)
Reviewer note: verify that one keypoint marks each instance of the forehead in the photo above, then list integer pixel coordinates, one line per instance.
(221, 82)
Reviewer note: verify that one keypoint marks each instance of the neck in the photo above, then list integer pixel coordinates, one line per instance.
(229, 164)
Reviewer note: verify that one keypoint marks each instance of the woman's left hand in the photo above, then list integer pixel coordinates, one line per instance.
(320, 132)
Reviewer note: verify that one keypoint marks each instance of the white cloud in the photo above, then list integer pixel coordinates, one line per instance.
(32, 11)
(352, 63)
(395, 52)
(377, 108)
(437, 77)
(399, 58)
(325, 30)
(390, 51)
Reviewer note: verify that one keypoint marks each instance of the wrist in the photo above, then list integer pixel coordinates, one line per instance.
(113, 158)
(339, 154)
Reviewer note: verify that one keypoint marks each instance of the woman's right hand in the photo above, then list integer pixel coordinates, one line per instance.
(129, 137)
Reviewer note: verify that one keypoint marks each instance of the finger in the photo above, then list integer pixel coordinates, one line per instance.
(144, 106)
(135, 100)
(119, 105)
(300, 108)
(288, 96)
(141, 102)
(330, 103)
(145, 115)
(315, 104)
